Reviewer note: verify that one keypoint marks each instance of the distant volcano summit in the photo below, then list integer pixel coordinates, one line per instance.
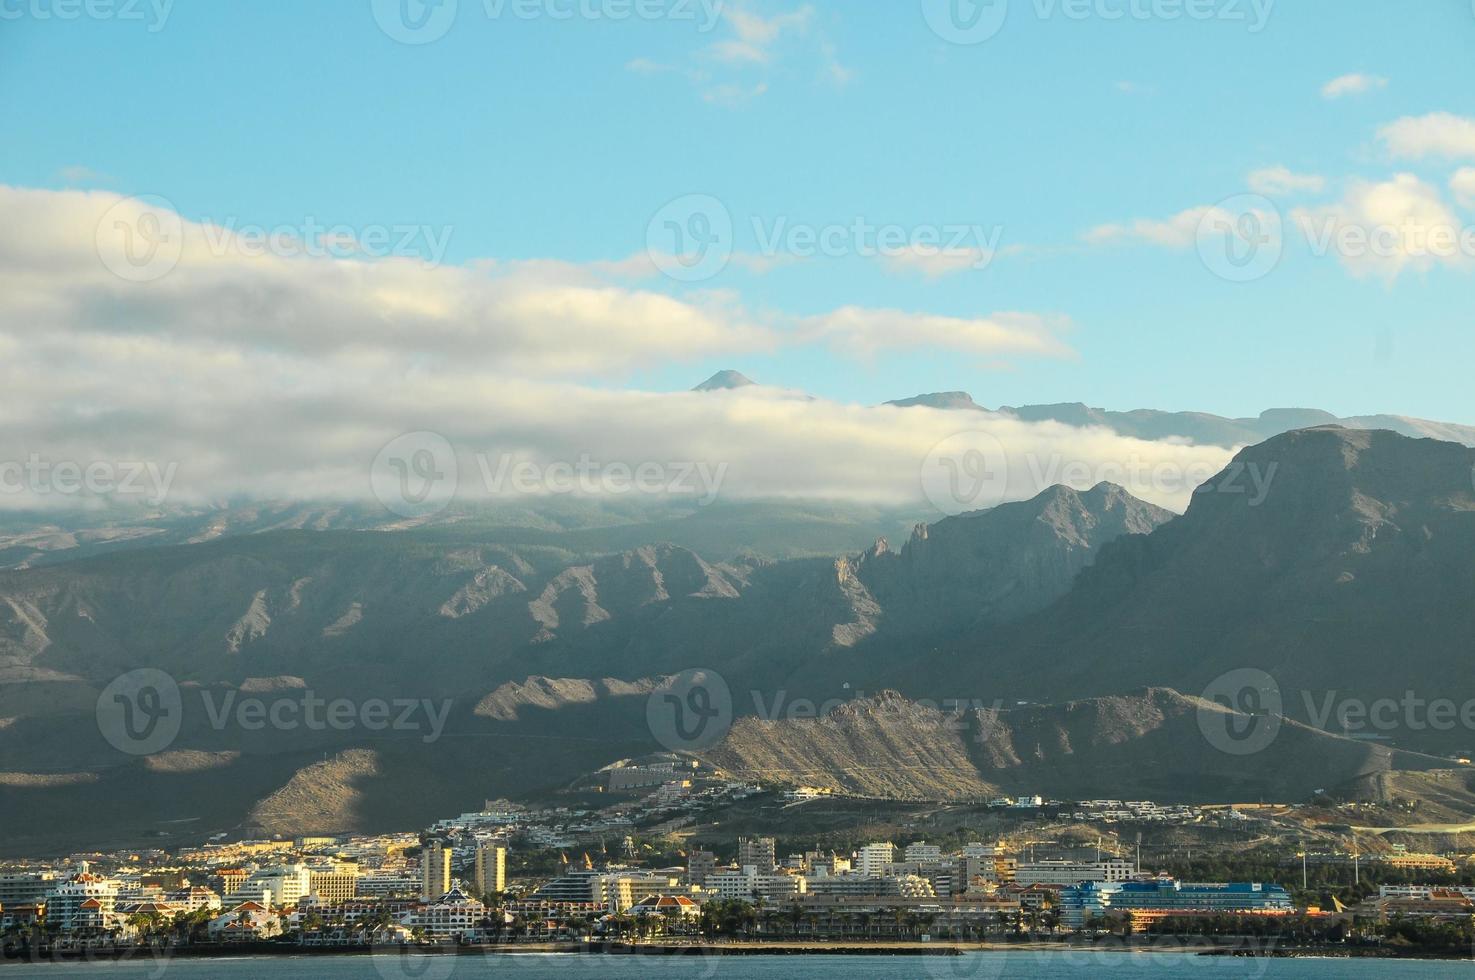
(724, 380)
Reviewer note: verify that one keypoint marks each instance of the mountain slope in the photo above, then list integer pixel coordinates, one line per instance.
(724, 381)
(1355, 574)
(1148, 743)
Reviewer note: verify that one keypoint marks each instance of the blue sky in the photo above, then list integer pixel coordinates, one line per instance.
(533, 137)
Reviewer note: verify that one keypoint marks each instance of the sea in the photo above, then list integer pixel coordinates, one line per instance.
(982, 966)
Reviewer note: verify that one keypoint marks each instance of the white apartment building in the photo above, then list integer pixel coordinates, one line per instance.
(26, 888)
(1423, 892)
(380, 884)
(1073, 872)
(454, 914)
(193, 899)
(873, 858)
(277, 885)
(856, 884)
(84, 901)
(748, 885)
(923, 853)
(757, 852)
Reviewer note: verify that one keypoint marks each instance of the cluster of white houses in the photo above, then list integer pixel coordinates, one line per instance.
(398, 895)
(958, 893)
(455, 888)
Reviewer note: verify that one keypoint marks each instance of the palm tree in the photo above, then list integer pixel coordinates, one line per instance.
(141, 924)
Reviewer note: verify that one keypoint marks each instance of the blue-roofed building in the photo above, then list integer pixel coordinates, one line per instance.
(1080, 903)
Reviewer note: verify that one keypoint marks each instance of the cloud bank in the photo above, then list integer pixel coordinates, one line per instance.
(284, 376)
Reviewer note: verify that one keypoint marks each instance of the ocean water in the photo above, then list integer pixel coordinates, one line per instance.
(982, 966)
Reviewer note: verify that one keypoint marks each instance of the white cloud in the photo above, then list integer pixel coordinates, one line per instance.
(79, 174)
(1463, 185)
(1439, 134)
(534, 317)
(282, 377)
(265, 427)
(754, 36)
(934, 262)
(764, 31)
(735, 69)
(839, 74)
(868, 331)
(1178, 232)
(731, 94)
(738, 51)
(1383, 228)
(1280, 180)
(1356, 83)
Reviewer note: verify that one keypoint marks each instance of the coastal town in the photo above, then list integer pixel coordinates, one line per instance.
(646, 871)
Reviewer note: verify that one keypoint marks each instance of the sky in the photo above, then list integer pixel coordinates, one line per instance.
(555, 207)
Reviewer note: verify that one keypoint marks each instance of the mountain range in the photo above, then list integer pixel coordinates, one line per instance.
(1066, 624)
(1202, 428)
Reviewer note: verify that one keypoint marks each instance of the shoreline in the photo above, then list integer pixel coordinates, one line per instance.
(1195, 946)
